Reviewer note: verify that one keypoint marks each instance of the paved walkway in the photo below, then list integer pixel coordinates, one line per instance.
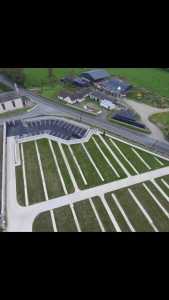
(145, 111)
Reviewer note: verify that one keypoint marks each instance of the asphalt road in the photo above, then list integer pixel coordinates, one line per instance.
(46, 107)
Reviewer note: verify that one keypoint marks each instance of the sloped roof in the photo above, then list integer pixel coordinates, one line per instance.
(96, 74)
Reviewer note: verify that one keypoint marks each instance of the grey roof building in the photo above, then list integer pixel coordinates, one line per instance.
(95, 75)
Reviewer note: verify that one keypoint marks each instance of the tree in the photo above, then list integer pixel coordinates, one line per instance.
(16, 74)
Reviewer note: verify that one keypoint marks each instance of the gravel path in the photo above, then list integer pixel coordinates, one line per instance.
(145, 111)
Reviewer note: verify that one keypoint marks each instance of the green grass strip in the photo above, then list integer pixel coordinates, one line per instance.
(120, 157)
(52, 178)
(158, 195)
(162, 185)
(65, 174)
(133, 212)
(150, 160)
(86, 166)
(43, 223)
(73, 167)
(86, 217)
(20, 186)
(103, 215)
(116, 213)
(64, 219)
(33, 176)
(110, 157)
(156, 214)
(100, 162)
(132, 157)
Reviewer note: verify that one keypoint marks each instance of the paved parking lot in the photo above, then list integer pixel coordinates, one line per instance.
(57, 128)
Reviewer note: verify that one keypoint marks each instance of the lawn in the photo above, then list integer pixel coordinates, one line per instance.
(20, 186)
(35, 77)
(43, 223)
(86, 217)
(150, 84)
(153, 79)
(64, 171)
(64, 219)
(52, 178)
(162, 121)
(131, 209)
(33, 176)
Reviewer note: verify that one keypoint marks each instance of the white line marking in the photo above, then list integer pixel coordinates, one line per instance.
(75, 218)
(123, 213)
(106, 159)
(114, 222)
(139, 156)
(143, 210)
(53, 221)
(125, 158)
(114, 156)
(68, 167)
(77, 164)
(24, 177)
(41, 172)
(156, 201)
(44, 186)
(93, 163)
(165, 183)
(57, 167)
(160, 190)
(160, 162)
(97, 216)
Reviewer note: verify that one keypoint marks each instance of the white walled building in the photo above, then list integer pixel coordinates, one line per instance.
(10, 101)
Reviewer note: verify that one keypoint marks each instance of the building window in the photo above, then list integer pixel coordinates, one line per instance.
(3, 106)
(13, 103)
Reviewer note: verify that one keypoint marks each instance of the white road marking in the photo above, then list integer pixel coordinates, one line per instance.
(125, 158)
(41, 172)
(97, 216)
(24, 177)
(75, 217)
(106, 159)
(57, 167)
(159, 161)
(44, 187)
(53, 221)
(123, 213)
(112, 218)
(139, 156)
(68, 168)
(114, 156)
(165, 183)
(77, 165)
(93, 163)
(156, 200)
(160, 190)
(143, 210)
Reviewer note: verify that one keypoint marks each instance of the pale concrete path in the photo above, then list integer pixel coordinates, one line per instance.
(145, 111)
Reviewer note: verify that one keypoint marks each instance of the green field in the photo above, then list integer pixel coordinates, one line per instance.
(162, 121)
(153, 79)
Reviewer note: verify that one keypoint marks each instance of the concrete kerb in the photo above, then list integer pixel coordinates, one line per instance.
(85, 139)
(3, 192)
